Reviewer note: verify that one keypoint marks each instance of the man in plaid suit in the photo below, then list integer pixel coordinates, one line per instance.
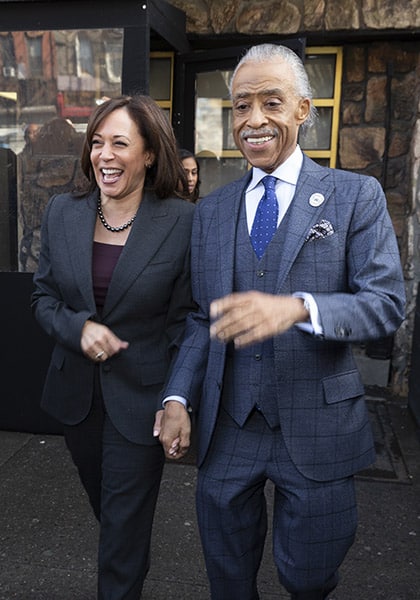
(266, 362)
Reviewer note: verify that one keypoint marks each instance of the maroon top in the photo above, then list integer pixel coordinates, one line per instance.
(104, 259)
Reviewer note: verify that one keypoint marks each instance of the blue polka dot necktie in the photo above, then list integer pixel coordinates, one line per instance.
(265, 222)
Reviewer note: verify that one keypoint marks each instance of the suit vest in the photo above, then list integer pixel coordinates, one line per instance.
(249, 378)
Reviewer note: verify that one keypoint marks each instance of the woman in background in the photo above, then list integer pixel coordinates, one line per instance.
(113, 290)
(192, 172)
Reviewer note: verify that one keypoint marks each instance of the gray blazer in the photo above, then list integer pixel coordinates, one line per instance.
(340, 247)
(148, 299)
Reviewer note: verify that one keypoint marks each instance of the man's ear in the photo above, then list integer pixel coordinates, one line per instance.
(303, 110)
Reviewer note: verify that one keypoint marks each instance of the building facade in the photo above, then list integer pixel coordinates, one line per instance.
(57, 63)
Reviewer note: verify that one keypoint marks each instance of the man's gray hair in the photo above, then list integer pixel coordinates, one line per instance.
(271, 52)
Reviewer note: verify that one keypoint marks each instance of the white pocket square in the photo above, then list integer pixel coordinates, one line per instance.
(320, 230)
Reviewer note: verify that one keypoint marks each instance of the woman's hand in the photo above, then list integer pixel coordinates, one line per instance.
(99, 343)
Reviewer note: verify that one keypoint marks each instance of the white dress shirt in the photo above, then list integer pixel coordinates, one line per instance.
(287, 176)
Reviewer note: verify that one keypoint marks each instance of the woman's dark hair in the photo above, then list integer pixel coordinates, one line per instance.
(183, 153)
(166, 173)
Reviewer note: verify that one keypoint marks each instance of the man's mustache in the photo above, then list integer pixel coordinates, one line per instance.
(258, 133)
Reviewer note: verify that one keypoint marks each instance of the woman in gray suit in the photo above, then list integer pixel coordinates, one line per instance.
(113, 290)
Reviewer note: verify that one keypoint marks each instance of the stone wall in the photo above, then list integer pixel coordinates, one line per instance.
(380, 111)
(378, 135)
(289, 17)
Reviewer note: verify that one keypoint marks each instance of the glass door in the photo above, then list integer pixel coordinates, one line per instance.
(220, 161)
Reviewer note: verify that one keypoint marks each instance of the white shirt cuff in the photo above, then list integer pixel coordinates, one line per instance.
(176, 398)
(314, 326)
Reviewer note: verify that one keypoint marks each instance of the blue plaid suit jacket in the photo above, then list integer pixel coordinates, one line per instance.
(342, 250)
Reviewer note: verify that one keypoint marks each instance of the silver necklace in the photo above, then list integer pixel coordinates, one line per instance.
(107, 225)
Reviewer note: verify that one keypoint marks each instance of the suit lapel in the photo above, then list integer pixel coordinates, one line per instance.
(313, 184)
(151, 227)
(303, 213)
(79, 226)
(228, 214)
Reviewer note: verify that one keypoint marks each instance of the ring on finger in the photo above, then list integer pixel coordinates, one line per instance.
(100, 354)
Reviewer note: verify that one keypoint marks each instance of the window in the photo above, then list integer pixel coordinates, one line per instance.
(220, 161)
(324, 67)
(113, 43)
(161, 79)
(213, 137)
(84, 55)
(45, 102)
(7, 55)
(34, 46)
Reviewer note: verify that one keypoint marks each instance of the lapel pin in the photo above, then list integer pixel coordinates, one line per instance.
(316, 199)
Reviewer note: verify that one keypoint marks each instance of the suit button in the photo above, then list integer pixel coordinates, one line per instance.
(342, 332)
(106, 368)
(260, 273)
(258, 357)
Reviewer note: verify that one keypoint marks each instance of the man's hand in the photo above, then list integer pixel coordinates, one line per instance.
(249, 317)
(173, 427)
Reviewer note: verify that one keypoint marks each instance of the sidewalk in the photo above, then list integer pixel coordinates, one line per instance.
(48, 536)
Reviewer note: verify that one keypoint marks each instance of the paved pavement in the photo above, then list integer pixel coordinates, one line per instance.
(48, 536)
